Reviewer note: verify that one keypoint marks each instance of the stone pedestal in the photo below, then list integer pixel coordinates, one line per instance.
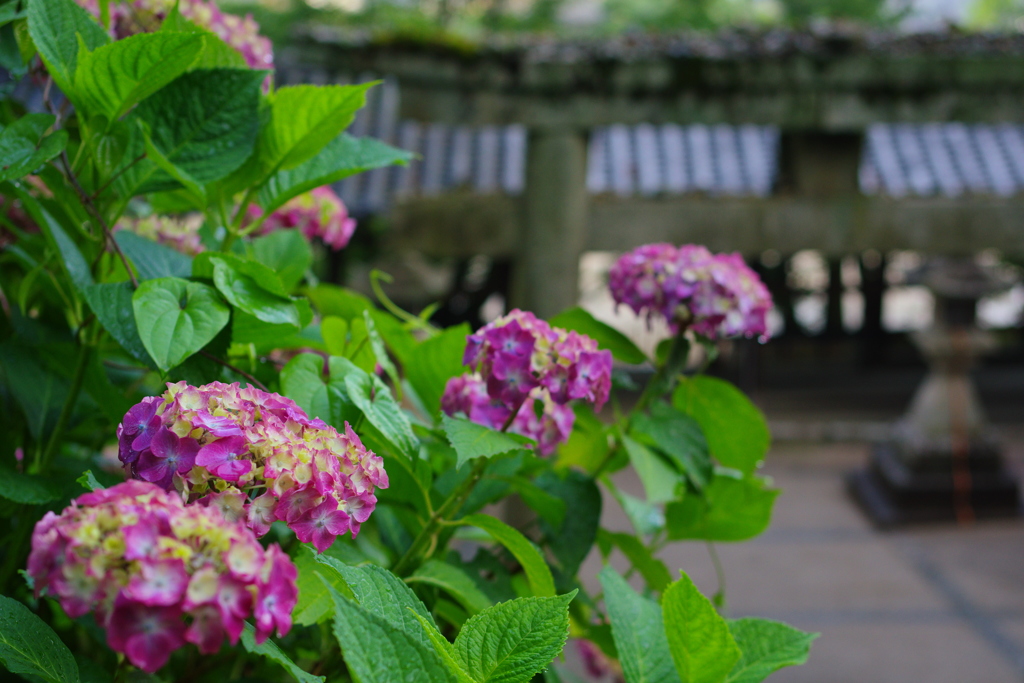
(943, 461)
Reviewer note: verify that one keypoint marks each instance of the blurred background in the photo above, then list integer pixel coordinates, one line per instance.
(866, 156)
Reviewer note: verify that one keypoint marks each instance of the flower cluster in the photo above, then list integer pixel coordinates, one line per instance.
(715, 295)
(142, 16)
(180, 234)
(318, 213)
(526, 367)
(597, 664)
(255, 455)
(468, 395)
(159, 574)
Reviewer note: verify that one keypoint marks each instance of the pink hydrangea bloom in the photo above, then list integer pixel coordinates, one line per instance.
(468, 395)
(159, 574)
(255, 456)
(178, 233)
(518, 353)
(142, 16)
(715, 295)
(597, 664)
(317, 213)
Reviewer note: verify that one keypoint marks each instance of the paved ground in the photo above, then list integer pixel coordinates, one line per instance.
(939, 604)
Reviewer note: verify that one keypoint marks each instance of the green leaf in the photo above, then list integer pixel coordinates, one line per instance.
(571, 541)
(432, 363)
(606, 336)
(376, 651)
(271, 651)
(374, 398)
(39, 391)
(471, 440)
(514, 641)
(659, 480)
(30, 648)
(177, 318)
(730, 510)
(338, 301)
(25, 146)
(537, 571)
(654, 571)
(89, 481)
(152, 260)
(765, 647)
(551, 509)
(29, 489)
(112, 304)
(73, 261)
(286, 252)
(587, 447)
(680, 437)
(383, 594)
(736, 431)
(698, 637)
(380, 352)
(303, 120)
(314, 602)
(115, 77)
(56, 26)
(205, 122)
(250, 294)
(454, 581)
(12, 11)
(445, 652)
(302, 381)
(638, 632)
(646, 518)
(215, 54)
(343, 156)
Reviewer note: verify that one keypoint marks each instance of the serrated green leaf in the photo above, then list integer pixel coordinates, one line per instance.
(216, 53)
(735, 429)
(286, 252)
(679, 436)
(25, 146)
(376, 651)
(660, 481)
(303, 119)
(176, 318)
(30, 648)
(115, 77)
(638, 632)
(654, 571)
(246, 292)
(343, 156)
(204, 122)
(515, 640)
(606, 336)
(152, 260)
(445, 652)
(56, 27)
(27, 488)
(471, 440)
(765, 647)
(698, 637)
(89, 482)
(112, 304)
(374, 398)
(314, 603)
(271, 651)
(537, 571)
(433, 362)
(729, 510)
(454, 581)
(74, 263)
(302, 381)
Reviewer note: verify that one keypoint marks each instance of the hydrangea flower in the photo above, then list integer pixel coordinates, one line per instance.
(159, 574)
(180, 234)
(519, 352)
(524, 365)
(317, 213)
(468, 395)
(254, 455)
(715, 295)
(596, 663)
(141, 16)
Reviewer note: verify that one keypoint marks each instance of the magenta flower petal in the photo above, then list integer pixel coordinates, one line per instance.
(146, 635)
(225, 458)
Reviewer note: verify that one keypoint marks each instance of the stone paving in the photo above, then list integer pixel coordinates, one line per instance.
(937, 604)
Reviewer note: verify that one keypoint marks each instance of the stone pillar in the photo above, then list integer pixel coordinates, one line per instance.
(546, 274)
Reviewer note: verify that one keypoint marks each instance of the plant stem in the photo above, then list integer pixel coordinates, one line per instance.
(84, 352)
(664, 379)
(450, 506)
(229, 366)
(719, 597)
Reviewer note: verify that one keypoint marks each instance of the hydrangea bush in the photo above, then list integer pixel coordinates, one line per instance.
(217, 468)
